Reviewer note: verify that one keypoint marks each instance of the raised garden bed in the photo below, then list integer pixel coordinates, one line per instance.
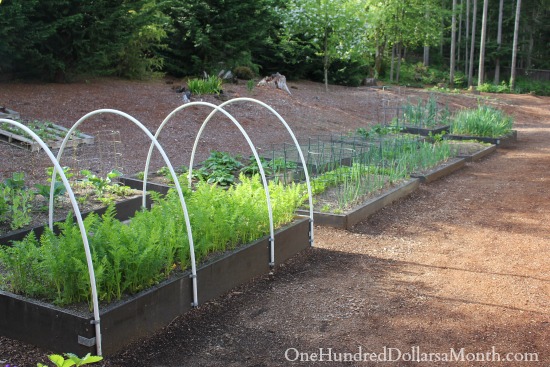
(6, 113)
(424, 131)
(137, 184)
(52, 135)
(363, 211)
(124, 209)
(61, 329)
(501, 141)
(471, 151)
(441, 170)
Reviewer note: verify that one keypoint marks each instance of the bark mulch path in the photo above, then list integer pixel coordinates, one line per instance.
(459, 269)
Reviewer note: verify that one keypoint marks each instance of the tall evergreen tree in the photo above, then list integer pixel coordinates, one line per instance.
(56, 38)
(453, 47)
(213, 35)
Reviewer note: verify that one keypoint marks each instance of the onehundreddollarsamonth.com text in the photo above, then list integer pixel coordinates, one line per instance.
(414, 354)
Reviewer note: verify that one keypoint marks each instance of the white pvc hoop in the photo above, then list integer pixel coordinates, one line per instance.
(172, 172)
(282, 120)
(91, 273)
(254, 152)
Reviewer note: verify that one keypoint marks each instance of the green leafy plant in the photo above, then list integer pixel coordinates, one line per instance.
(16, 201)
(71, 360)
(210, 85)
(250, 85)
(100, 184)
(376, 131)
(485, 121)
(221, 177)
(219, 168)
(66, 171)
(424, 114)
(16, 181)
(494, 88)
(222, 161)
(58, 190)
(131, 257)
(252, 167)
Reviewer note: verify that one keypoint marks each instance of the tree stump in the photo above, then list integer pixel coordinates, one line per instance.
(275, 80)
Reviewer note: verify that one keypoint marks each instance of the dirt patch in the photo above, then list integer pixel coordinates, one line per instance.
(461, 263)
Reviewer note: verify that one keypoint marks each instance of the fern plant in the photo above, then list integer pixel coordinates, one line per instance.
(129, 258)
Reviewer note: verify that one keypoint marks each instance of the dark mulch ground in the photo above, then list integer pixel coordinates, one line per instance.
(462, 263)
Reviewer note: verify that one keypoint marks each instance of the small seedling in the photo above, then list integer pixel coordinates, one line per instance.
(72, 360)
(100, 183)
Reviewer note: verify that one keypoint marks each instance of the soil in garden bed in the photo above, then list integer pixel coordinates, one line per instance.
(461, 263)
(465, 147)
(333, 199)
(63, 206)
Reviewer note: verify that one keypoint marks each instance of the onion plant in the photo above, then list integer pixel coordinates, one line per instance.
(425, 114)
(485, 121)
(387, 162)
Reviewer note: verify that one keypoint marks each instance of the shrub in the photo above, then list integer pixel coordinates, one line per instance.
(243, 72)
(538, 87)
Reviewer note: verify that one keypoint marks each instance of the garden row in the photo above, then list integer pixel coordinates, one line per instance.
(144, 267)
(484, 123)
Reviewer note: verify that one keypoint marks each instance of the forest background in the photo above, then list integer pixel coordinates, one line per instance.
(450, 43)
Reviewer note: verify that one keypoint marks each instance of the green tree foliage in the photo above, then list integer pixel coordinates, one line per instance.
(410, 23)
(214, 35)
(58, 38)
(330, 40)
(335, 29)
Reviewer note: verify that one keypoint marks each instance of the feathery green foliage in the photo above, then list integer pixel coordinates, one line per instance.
(130, 258)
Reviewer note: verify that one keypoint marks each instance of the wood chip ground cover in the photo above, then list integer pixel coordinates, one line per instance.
(461, 263)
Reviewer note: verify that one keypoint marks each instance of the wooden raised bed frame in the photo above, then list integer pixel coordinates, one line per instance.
(366, 209)
(62, 330)
(21, 141)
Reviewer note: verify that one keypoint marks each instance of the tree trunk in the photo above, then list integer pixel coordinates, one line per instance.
(453, 47)
(467, 34)
(499, 42)
(472, 46)
(392, 62)
(379, 58)
(481, 70)
(426, 59)
(326, 60)
(398, 71)
(531, 42)
(442, 28)
(459, 40)
(530, 47)
(515, 47)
